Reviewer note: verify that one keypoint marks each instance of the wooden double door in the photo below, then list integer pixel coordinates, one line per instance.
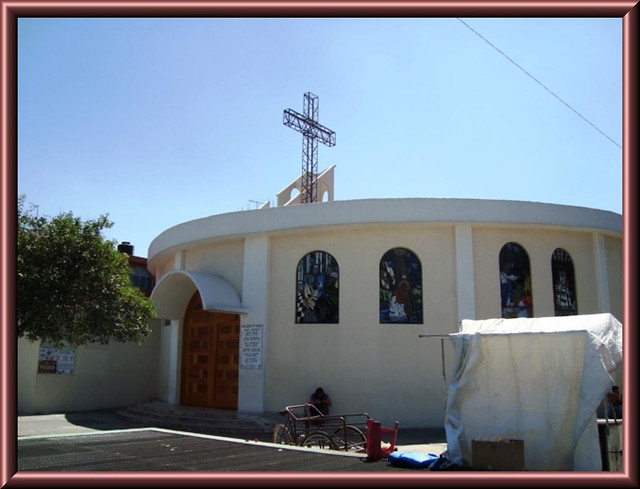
(210, 357)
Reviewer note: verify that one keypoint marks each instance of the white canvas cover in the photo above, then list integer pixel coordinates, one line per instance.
(540, 380)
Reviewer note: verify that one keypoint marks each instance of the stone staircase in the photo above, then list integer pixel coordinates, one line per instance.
(199, 420)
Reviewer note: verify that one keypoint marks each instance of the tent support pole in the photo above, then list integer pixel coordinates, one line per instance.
(444, 375)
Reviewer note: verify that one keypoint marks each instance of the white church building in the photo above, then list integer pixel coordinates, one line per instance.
(257, 308)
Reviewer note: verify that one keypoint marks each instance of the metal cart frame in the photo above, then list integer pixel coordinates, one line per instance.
(306, 426)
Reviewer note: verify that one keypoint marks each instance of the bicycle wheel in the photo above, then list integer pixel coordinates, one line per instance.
(319, 439)
(350, 438)
(282, 435)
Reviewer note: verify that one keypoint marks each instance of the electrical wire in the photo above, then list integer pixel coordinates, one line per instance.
(538, 82)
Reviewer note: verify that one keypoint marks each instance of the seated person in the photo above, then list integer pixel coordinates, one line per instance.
(321, 400)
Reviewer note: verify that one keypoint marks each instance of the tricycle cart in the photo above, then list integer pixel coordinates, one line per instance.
(306, 426)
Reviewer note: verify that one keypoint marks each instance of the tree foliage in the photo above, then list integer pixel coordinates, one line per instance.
(73, 286)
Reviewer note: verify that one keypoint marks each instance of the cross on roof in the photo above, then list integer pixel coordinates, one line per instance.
(312, 132)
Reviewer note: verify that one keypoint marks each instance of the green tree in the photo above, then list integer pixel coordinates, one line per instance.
(73, 286)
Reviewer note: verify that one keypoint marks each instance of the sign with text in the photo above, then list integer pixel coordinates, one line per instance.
(251, 345)
(56, 361)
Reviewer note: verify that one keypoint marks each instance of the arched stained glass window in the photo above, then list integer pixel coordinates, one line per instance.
(400, 287)
(317, 280)
(565, 301)
(515, 282)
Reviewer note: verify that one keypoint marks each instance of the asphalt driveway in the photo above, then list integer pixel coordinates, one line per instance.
(151, 450)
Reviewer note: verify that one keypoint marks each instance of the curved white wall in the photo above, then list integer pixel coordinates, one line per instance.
(386, 369)
(377, 211)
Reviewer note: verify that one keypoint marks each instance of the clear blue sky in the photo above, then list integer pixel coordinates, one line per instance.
(160, 121)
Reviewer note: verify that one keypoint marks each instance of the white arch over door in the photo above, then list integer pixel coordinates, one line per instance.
(172, 293)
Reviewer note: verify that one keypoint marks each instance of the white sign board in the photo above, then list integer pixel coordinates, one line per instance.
(251, 345)
(56, 361)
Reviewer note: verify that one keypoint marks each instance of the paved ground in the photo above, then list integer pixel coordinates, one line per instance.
(432, 440)
(164, 450)
(99, 441)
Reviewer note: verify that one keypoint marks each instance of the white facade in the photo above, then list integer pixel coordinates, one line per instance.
(245, 263)
(243, 267)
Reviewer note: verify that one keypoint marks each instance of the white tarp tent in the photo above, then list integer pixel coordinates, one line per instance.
(539, 380)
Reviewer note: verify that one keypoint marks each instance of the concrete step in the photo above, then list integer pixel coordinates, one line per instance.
(198, 420)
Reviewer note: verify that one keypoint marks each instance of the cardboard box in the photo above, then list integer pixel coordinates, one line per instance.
(497, 455)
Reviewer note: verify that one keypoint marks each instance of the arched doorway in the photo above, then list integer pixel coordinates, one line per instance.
(210, 357)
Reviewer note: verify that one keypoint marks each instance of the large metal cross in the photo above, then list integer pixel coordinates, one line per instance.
(312, 132)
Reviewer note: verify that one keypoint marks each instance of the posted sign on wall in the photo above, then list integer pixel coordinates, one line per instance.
(56, 361)
(251, 345)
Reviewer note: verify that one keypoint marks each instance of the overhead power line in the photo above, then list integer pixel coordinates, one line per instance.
(539, 82)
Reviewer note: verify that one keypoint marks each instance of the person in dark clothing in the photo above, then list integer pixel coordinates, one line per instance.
(614, 401)
(321, 400)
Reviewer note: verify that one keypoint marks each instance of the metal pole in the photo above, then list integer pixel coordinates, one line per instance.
(444, 376)
(444, 373)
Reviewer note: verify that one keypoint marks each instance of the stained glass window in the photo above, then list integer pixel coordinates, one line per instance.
(515, 282)
(400, 287)
(317, 279)
(565, 301)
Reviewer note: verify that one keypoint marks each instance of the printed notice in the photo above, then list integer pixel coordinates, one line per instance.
(56, 361)
(251, 345)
